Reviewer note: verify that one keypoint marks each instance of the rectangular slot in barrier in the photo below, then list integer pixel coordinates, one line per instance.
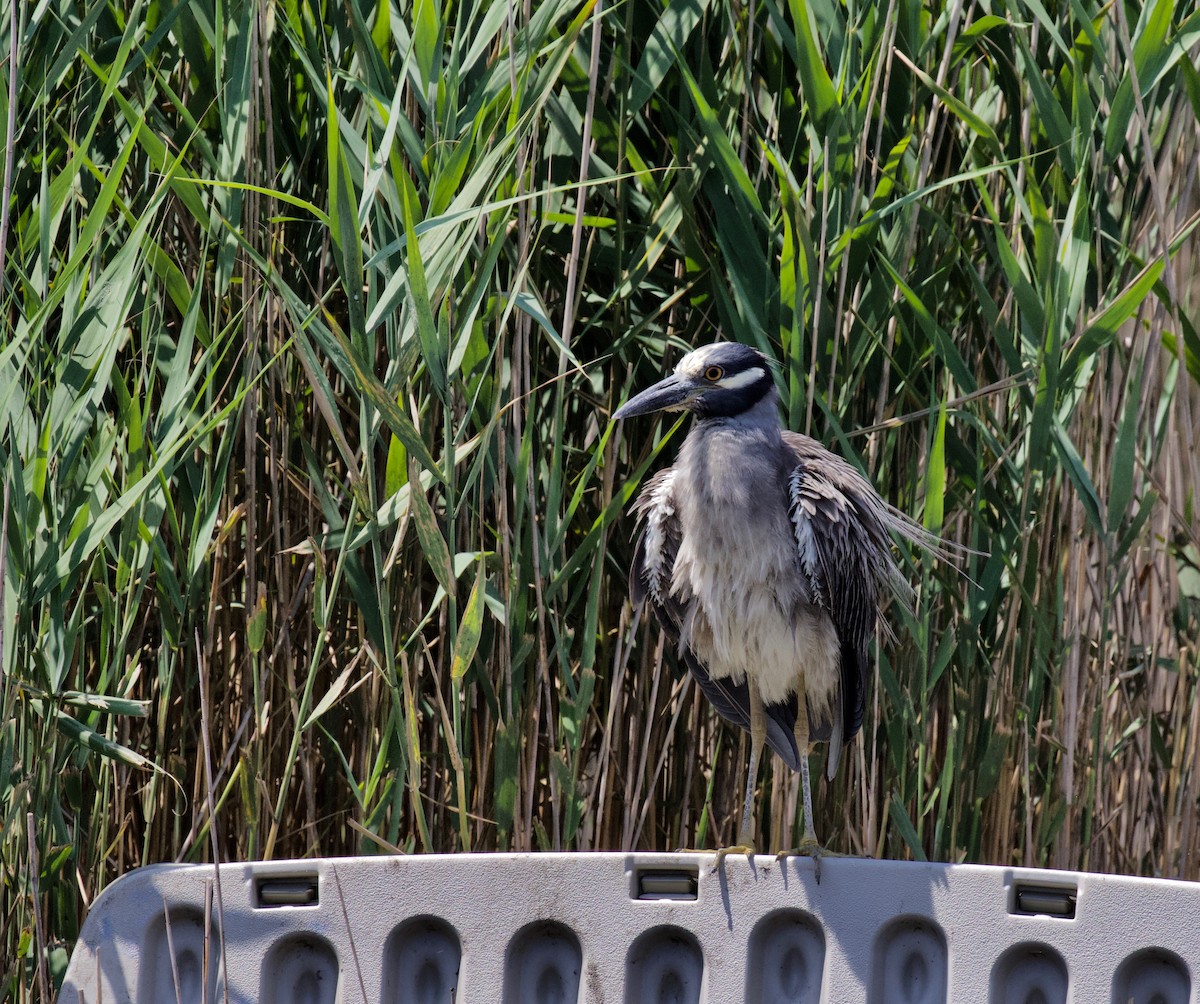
(667, 883)
(1041, 900)
(296, 890)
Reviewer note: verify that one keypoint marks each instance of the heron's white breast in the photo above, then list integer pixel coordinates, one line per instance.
(739, 577)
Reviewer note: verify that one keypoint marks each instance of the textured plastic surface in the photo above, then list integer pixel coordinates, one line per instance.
(636, 929)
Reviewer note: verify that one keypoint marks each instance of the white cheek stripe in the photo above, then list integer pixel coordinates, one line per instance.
(743, 379)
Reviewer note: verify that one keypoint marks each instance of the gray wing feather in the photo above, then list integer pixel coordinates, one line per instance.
(841, 528)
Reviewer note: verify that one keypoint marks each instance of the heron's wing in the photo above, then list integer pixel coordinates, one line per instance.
(655, 551)
(650, 582)
(845, 554)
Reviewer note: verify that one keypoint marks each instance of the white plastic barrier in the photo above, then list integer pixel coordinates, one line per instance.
(635, 928)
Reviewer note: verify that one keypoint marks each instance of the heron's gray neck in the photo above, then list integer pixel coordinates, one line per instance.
(729, 463)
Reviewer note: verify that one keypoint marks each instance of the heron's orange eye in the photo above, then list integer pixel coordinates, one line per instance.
(713, 374)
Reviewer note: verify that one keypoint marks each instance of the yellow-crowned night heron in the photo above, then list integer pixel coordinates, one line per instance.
(764, 557)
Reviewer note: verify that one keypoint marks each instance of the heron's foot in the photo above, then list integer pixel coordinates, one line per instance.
(809, 847)
(741, 847)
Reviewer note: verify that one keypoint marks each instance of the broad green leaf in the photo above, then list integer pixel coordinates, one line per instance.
(108, 705)
(256, 627)
(815, 82)
(433, 544)
(426, 38)
(1151, 53)
(381, 31)
(506, 770)
(719, 146)
(469, 628)
(673, 28)
(935, 474)
(1104, 325)
(899, 815)
(433, 351)
(346, 232)
(1077, 472)
(396, 471)
(1190, 347)
(955, 104)
(41, 461)
(330, 698)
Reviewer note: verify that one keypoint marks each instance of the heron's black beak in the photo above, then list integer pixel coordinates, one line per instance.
(675, 393)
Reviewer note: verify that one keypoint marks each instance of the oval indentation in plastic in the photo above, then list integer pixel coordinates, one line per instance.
(1030, 973)
(543, 965)
(301, 969)
(1152, 976)
(421, 962)
(664, 966)
(786, 959)
(910, 963)
(184, 940)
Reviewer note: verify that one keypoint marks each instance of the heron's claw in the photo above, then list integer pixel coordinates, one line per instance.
(809, 847)
(744, 847)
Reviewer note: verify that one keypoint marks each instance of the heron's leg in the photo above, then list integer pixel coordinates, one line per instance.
(758, 735)
(801, 732)
(809, 845)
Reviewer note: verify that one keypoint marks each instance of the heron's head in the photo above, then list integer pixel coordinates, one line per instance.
(714, 381)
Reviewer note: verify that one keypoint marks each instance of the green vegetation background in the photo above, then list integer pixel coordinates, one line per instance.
(313, 515)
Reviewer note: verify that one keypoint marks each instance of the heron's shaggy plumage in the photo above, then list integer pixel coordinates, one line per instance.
(764, 556)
